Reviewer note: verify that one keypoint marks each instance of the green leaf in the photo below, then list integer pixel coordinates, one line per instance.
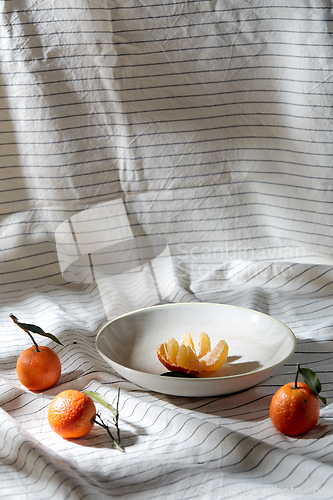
(178, 375)
(311, 379)
(37, 329)
(101, 400)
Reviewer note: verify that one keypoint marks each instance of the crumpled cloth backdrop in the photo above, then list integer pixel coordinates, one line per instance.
(209, 125)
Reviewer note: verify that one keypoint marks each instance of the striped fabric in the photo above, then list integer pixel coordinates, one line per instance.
(196, 136)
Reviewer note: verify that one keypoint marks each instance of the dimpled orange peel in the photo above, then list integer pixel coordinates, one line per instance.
(183, 357)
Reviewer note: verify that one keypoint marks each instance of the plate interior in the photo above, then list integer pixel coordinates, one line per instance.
(256, 341)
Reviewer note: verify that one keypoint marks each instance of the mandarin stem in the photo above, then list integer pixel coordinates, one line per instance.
(106, 427)
(33, 340)
(26, 331)
(296, 377)
(117, 417)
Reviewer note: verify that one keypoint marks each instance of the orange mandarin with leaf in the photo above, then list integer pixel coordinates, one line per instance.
(38, 368)
(294, 408)
(72, 414)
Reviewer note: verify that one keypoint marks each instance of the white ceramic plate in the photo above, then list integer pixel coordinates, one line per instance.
(258, 345)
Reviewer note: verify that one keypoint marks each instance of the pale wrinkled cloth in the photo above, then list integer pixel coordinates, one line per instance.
(192, 142)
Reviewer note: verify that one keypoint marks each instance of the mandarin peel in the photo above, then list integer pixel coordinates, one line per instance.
(183, 357)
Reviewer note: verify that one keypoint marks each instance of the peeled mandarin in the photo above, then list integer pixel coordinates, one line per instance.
(183, 357)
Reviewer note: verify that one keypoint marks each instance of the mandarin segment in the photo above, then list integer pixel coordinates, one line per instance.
(181, 359)
(188, 341)
(204, 346)
(215, 358)
(172, 350)
(184, 358)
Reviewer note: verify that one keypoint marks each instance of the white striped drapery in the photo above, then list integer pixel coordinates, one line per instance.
(211, 121)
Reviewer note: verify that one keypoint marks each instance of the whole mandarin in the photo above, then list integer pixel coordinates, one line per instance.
(294, 410)
(38, 370)
(71, 414)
